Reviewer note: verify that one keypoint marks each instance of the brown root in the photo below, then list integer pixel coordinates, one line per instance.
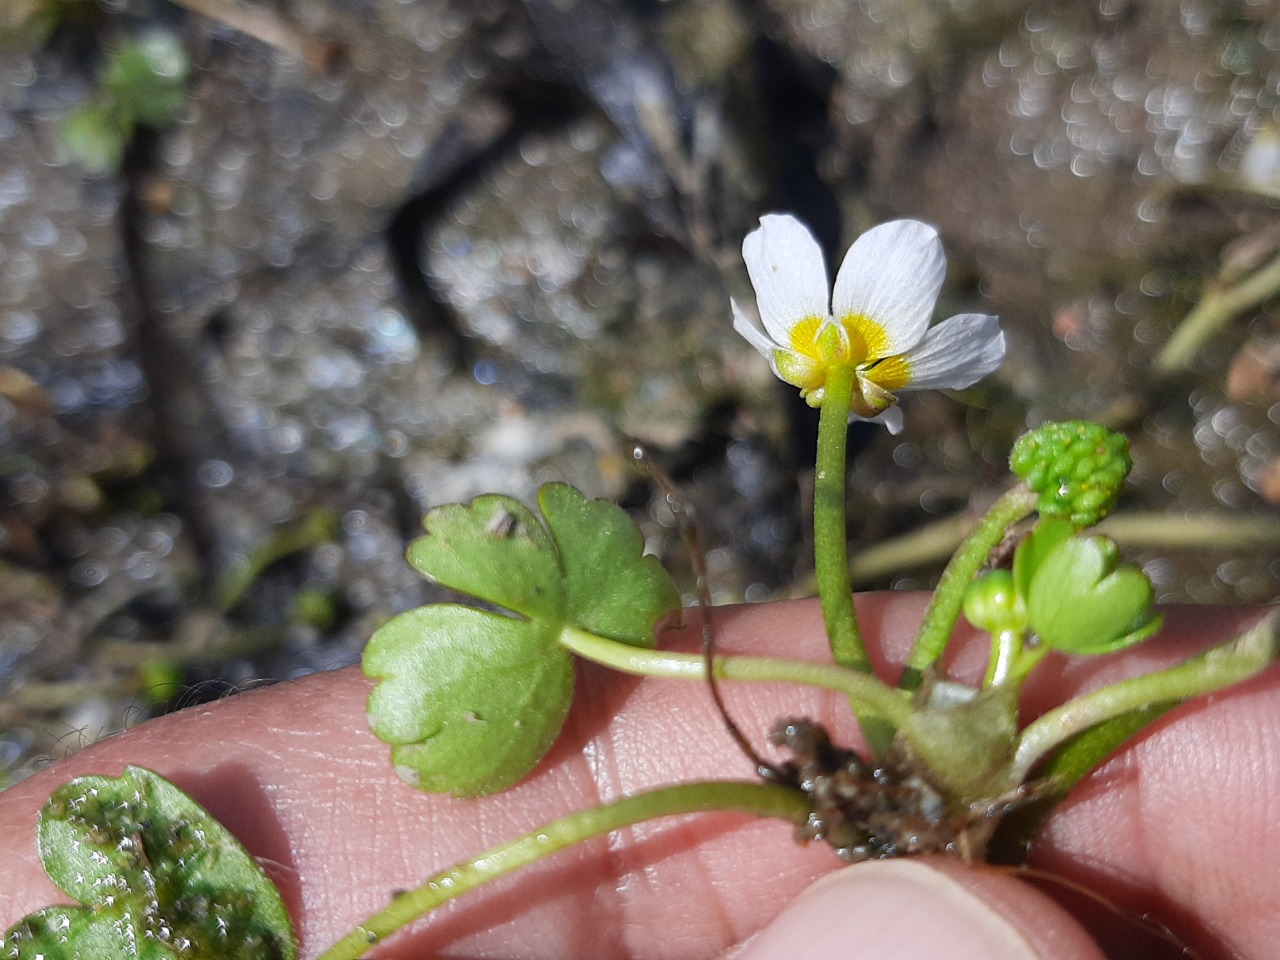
(875, 811)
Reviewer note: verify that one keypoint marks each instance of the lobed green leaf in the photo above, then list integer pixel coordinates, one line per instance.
(1082, 600)
(610, 587)
(471, 699)
(493, 548)
(1044, 538)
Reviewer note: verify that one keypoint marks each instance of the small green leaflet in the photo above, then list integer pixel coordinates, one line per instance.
(471, 699)
(1080, 597)
(156, 877)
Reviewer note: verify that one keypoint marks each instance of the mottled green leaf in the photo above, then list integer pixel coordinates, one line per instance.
(155, 876)
(471, 699)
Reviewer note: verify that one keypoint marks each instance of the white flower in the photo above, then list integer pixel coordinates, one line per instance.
(876, 321)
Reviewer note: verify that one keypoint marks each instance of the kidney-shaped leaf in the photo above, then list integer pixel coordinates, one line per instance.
(471, 699)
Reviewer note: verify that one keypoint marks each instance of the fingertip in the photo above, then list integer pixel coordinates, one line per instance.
(920, 910)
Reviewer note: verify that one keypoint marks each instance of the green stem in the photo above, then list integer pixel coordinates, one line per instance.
(944, 608)
(1219, 667)
(868, 694)
(830, 534)
(758, 799)
(1215, 530)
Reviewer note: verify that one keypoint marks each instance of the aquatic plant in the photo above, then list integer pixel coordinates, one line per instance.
(470, 696)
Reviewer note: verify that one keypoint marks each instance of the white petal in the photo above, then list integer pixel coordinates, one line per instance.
(755, 336)
(956, 353)
(787, 270)
(892, 274)
(891, 418)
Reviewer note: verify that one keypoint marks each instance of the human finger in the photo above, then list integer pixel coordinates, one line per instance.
(294, 773)
(922, 909)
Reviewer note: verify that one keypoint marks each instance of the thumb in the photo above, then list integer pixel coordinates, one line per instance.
(921, 910)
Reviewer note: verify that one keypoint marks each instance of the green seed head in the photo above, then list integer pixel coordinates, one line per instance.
(1077, 468)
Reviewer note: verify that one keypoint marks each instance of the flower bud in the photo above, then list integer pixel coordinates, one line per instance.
(991, 603)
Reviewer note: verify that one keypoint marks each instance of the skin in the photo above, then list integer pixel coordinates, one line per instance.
(1179, 826)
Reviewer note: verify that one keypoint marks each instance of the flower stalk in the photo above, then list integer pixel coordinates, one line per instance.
(1006, 649)
(830, 542)
(948, 597)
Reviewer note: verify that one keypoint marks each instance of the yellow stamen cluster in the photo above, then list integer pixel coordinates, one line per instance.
(818, 344)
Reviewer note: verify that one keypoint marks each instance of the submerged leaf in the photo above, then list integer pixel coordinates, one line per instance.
(471, 699)
(156, 877)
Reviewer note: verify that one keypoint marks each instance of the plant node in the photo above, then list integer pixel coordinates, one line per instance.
(877, 811)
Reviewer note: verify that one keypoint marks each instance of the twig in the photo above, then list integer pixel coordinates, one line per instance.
(1139, 530)
(263, 25)
(1217, 306)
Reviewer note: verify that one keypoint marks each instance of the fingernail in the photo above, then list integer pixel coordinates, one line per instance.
(888, 908)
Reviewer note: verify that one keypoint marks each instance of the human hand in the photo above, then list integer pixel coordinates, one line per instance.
(1178, 826)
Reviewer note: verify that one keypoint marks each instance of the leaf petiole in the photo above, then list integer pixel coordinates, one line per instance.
(1221, 666)
(868, 694)
(757, 799)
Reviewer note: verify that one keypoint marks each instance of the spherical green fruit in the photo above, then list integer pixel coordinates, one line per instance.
(1077, 467)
